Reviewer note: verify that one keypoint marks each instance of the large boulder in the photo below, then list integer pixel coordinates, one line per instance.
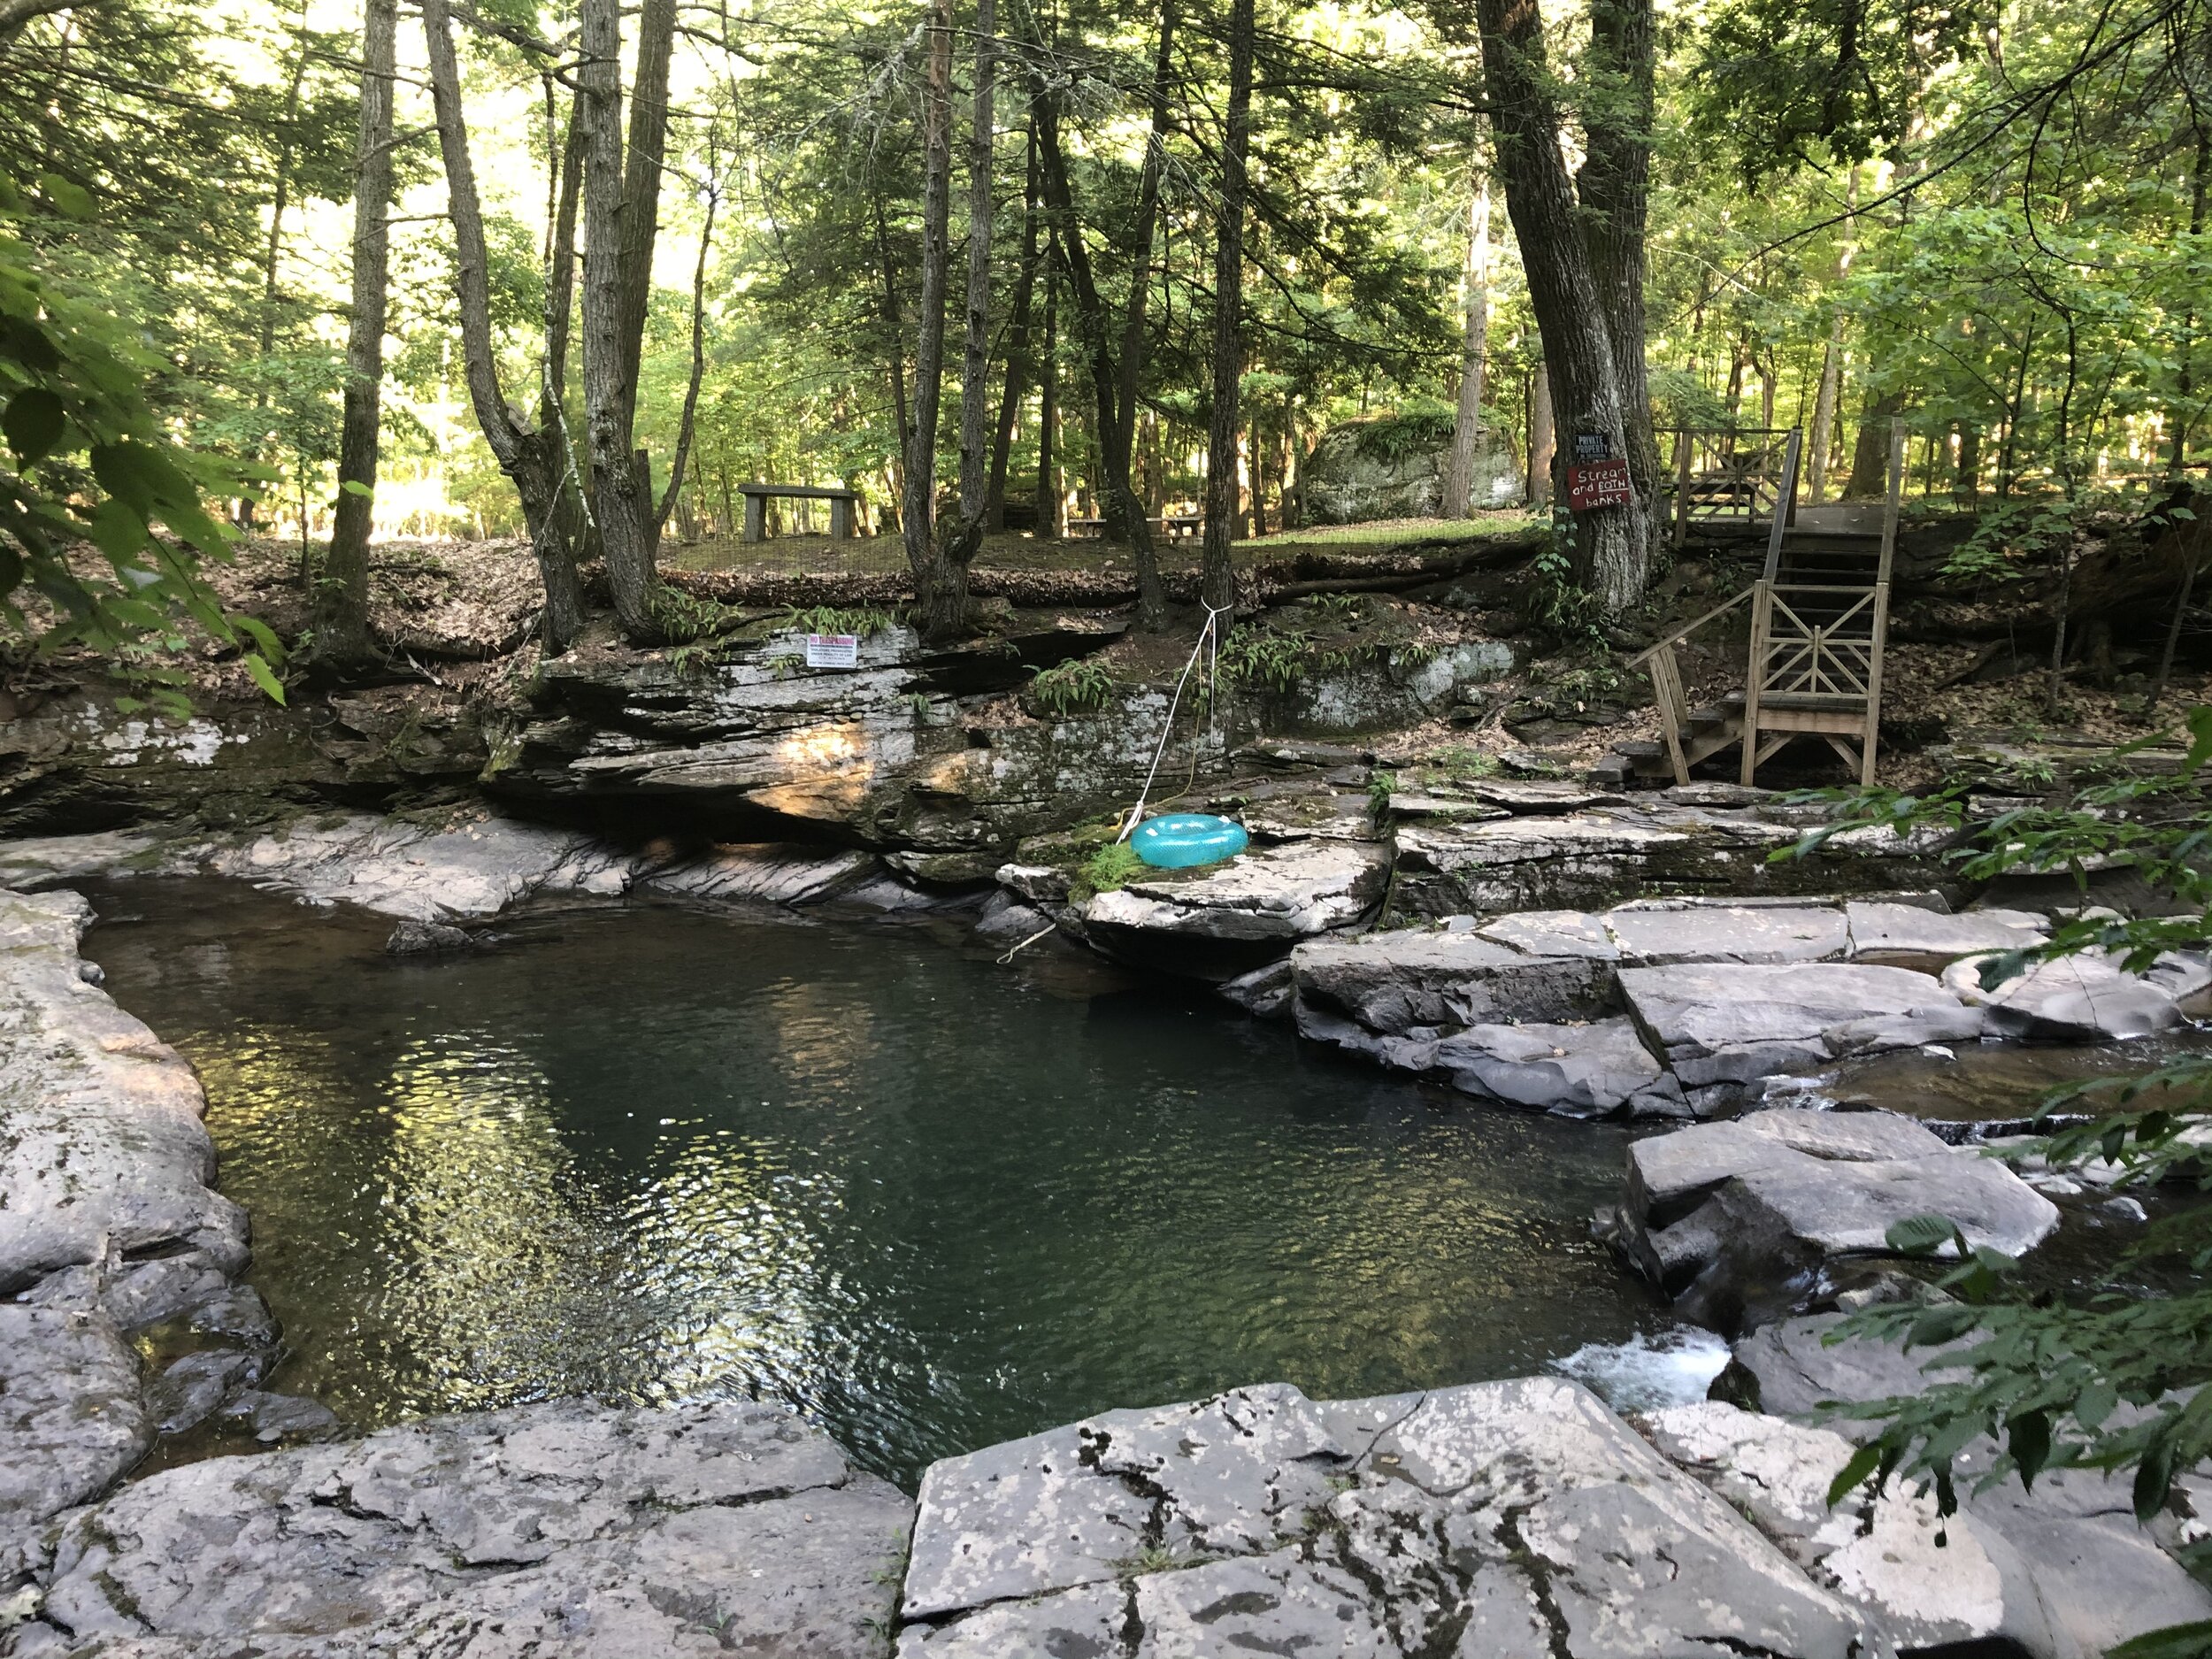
(1742, 1222)
(2086, 997)
(1392, 466)
(1405, 979)
(1592, 1069)
(1223, 920)
(1721, 1025)
(561, 1529)
(105, 1159)
(2061, 1572)
(1519, 1519)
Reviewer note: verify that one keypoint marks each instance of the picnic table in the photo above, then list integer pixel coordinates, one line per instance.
(841, 505)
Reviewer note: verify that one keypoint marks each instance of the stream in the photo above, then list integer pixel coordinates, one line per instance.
(929, 1202)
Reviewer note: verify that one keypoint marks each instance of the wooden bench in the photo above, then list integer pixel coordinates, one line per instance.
(1182, 526)
(841, 505)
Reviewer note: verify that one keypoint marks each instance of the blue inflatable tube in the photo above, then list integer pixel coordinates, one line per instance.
(1177, 840)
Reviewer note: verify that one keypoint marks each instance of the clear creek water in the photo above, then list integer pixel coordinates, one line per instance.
(929, 1202)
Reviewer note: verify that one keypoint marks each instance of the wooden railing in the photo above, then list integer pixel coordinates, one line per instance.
(1666, 682)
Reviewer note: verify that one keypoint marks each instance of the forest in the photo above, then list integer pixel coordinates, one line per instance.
(845, 739)
(455, 273)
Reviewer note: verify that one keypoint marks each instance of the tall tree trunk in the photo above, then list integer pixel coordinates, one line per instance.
(1543, 438)
(1119, 434)
(1614, 186)
(689, 419)
(620, 214)
(280, 202)
(1459, 470)
(534, 461)
(2184, 416)
(1573, 307)
(643, 158)
(568, 530)
(917, 520)
(1218, 578)
(1870, 455)
(1966, 483)
(341, 598)
(1831, 360)
(950, 612)
(895, 330)
(1048, 526)
(1090, 307)
(1823, 435)
(1017, 365)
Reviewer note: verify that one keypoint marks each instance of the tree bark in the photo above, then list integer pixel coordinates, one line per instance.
(1049, 525)
(642, 162)
(894, 327)
(280, 199)
(1543, 438)
(1217, 577)
(1091, 326)
(534, 461)
(1573, 306)
(1119, 434)
(1459, 470)
(917, 520)
(1823, 435)
(952, 612)
(1017, 363)
(1870, 455)
(618, 230)
(687, 425)
(1614, 188)
(342, 597)
(1966, 483)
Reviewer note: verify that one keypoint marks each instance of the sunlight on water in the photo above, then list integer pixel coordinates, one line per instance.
(932, 1202)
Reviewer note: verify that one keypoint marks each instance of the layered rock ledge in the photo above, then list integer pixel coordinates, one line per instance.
(566, 1528)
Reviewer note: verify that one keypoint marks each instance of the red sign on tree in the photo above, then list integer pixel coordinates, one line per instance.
(1599, 484)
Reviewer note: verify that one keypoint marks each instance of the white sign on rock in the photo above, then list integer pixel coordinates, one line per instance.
(833, 650)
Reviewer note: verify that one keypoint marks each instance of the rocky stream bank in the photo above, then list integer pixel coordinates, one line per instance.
(1520, 936)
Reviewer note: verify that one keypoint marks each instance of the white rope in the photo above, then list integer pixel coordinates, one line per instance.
(1209, 633)
(1025, 943)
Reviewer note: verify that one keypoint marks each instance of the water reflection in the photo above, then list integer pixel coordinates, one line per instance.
(931, 1203)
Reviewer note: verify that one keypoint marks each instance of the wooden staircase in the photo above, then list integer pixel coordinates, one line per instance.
(1819, 624)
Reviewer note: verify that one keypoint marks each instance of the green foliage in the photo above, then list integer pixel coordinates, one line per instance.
(1556, 598)
(1418, 427)
(1110, 868)
(2048, 1376)
(103, 517)
(1081, 684)
(1256, 656)
(861, 621)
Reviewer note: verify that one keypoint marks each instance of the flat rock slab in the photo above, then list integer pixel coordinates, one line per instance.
(764, 874)
(1228, 918)
(1512, 1520)
(1735, 1023)
(1760, 934)
(1734, 1219)
(2083, 998)
(471, 870)
(560, 1529)
(1909, 936)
